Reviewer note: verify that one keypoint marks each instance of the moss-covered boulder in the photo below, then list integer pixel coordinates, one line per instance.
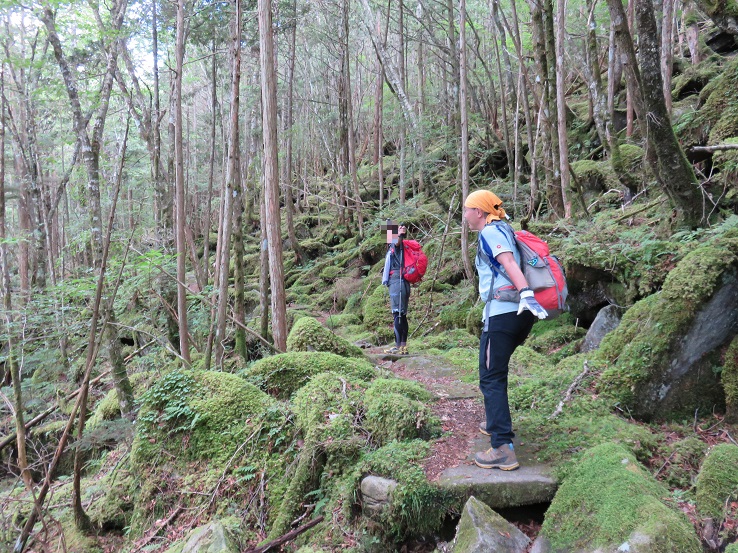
(717, 482)
(198, 415)
(729, 378)
(398, 410)
(377, 314)
(283, 374)
(308, 334)
(661, 356)
(607, 500)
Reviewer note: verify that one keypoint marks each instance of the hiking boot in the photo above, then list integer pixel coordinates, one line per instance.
(483, 428)
(502, 458)
(403, 350)
(393, 350)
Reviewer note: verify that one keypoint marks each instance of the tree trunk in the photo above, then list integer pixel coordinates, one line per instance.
(181, 199)
(121, 383)
(232, 186)
(560, 25)
(667, 50)
(676, 173)
(288, 180)
(350, 123)
(464, 121)
(271, 174)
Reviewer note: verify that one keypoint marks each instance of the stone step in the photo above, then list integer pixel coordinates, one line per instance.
(530, 484)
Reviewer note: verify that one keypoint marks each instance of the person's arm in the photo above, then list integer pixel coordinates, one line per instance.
(512, 269)
(515, 274)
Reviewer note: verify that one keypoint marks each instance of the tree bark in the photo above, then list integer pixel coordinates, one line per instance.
(181, 199)
(675, 172)
(271, 173)
(560, 25)
(464, 123)
(232, 185)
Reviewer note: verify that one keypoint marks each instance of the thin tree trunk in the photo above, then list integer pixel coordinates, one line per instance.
(181, 198)
(232, 187)
(560, 25)
(289, 179)
(390, 71)
(464, 122)
(271, 174)
(673, 168)
(667, 50)
(350, 124)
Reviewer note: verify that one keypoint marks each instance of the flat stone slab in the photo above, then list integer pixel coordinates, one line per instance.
(530, 484)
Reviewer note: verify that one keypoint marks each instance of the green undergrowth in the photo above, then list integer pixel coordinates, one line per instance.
(607, 499)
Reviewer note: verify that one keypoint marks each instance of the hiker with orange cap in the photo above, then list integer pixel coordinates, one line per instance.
(509, 313)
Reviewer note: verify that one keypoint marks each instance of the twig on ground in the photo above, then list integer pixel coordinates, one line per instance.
(574, 385)
(289, 536)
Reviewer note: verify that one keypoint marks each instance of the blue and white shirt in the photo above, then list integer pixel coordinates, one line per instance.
(494, 239)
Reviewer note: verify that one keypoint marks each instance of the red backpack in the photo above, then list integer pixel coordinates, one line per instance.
(414, 261)
(543, 271)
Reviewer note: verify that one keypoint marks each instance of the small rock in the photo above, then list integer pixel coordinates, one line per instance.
(606, 320)
(210, 538)
(376, 493)
(481, 530)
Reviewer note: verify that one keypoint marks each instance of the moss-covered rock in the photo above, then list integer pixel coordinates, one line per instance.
(198, 415)
(608, 499)
(377, 315)
(114, 509)
(729, 378)
(283, 374)
(717, 482)
(308, 334)
(651, 371)
(327, 396)
(398, 410)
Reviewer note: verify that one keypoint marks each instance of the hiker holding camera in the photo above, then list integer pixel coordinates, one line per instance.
(399, 288)
(509, 313)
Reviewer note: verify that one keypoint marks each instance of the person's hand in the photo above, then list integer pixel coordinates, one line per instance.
(528, 301)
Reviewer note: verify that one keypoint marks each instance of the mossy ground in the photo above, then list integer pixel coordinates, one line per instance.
(717, 482)
(606, 498)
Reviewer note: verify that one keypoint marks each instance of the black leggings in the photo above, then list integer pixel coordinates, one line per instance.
(400, 328)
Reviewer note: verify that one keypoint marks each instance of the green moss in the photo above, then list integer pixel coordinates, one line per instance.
(606, 499)
(417, 506)
(398, 410)
(640, 346)
(198, 415)
(593, 175)
(732, 548)
(114, 509)
(717, 482)
(327, 395)
(283, 374)
(308, 334)
(729, 378)
(457, 338)
(377, 314)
